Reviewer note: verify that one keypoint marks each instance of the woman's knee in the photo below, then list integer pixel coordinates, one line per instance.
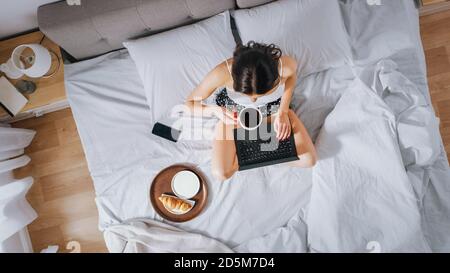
(222, 174)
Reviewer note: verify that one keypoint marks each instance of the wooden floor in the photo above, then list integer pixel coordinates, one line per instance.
(63, 194)
(435, 31)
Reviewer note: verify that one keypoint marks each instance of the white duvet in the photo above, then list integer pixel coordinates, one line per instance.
(360, 184)
(382, 181)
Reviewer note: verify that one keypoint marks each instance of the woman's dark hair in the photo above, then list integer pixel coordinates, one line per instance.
(255, 67)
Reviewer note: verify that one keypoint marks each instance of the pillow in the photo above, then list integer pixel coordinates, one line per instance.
(172, 64)
(251, 3)
(378, 31)
(311, 31)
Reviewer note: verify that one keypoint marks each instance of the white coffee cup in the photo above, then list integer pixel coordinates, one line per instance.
(185, 184)
(250, 118)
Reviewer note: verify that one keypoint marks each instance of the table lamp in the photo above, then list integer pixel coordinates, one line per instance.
(35, 64)
(32, 60)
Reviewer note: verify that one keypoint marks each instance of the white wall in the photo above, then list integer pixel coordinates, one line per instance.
(18, 15)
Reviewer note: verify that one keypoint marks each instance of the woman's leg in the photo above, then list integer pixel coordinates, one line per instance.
(224, 160)
(303, 143)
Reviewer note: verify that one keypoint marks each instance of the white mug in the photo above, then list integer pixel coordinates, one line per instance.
(250, 118)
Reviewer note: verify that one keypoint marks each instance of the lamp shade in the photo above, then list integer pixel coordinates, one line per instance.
(42, 60)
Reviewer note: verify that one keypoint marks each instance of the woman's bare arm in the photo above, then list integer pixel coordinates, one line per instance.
(290, 72)
(282, 123)
(305, 147)
(207, 86)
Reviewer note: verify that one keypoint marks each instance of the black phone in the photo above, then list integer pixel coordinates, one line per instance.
(166, 132)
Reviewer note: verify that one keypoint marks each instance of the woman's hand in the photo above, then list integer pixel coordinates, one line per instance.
(226, 116)
(282, 125)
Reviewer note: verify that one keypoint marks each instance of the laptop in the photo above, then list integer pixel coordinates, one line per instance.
(259, 148)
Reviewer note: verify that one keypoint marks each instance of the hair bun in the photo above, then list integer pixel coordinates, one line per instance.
(274, 51)
(255, 67)
(270, 49)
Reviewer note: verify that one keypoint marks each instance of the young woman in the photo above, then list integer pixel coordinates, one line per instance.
(257, 76)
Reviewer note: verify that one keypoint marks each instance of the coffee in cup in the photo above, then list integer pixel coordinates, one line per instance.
(250, 118)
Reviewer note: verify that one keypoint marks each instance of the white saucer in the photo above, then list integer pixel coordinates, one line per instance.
(185, 184)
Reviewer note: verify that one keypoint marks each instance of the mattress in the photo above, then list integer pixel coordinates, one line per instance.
(264, 209)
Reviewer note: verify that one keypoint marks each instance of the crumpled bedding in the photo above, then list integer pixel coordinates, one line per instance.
(149, 236)
(363, 191)
(360, 183)
(382, 179)
(372, 183)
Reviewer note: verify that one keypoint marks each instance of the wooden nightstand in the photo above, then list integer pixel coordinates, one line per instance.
(433, 6)
(50, 94)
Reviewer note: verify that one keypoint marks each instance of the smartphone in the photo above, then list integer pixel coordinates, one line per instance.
(166, 132)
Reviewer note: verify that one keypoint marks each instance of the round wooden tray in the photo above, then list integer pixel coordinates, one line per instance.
(162, 185)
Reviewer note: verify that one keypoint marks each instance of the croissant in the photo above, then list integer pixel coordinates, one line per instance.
(174, 203)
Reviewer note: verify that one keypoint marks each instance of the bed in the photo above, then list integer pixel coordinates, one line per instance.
(381, 184)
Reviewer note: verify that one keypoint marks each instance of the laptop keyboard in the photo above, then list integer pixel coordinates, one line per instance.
(259, 153)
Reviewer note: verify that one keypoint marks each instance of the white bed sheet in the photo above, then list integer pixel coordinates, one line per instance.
(123, 157)
(258, 210)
